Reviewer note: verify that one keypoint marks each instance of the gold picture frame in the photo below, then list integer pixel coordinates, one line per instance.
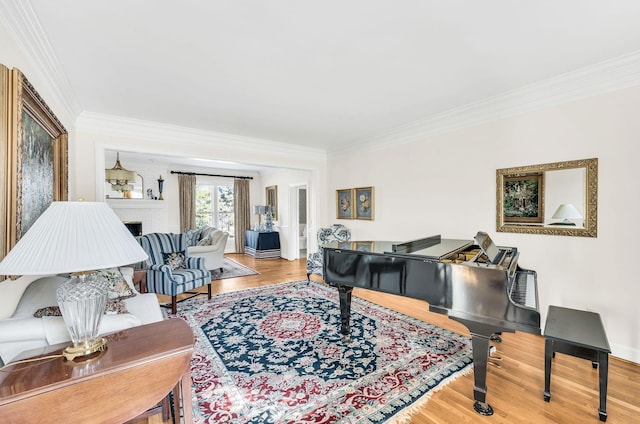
(364, 203)
(344, 203)
(34, 151)
(585, 187)
(271, 194)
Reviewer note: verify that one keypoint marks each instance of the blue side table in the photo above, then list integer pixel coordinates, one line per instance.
(262, 244)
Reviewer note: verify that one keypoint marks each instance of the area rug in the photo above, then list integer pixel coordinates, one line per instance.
(231, 269)
(275, 355)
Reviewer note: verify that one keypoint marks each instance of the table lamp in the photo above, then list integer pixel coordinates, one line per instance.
(566, 212)
(259, 210)
(76, 237)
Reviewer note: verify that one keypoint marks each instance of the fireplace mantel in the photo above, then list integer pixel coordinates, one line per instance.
(136, 203)
(152, 213)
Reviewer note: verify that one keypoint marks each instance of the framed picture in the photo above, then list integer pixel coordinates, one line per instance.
(364, 203)
(523, 198)
(34, 151)
(271, 194)
(364, 246)
(344, 203)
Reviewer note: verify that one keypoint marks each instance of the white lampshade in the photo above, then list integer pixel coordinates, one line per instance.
(72, 237)
(259, 210)
(566, 211)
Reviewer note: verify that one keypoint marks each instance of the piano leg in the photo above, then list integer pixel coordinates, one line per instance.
(344, 293)
(480, 346)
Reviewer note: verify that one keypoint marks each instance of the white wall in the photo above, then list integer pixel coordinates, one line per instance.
(446, 185)
(284, 180)
(12, 56)
(291, 164)
(443, 185)
(170, 193)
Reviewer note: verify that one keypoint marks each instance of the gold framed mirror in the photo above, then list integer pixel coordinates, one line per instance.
(272, 199)
(559, 198)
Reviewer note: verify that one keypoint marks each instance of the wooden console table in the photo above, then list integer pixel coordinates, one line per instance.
(137, 370)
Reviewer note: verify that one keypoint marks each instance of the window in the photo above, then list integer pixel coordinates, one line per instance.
(214, 207)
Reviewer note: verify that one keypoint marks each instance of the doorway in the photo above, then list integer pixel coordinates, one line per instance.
(299, 218)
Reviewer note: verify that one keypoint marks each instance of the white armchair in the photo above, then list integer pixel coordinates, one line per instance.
(20, 330)
(210, 245)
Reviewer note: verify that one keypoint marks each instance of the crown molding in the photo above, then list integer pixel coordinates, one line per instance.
(20, 20)
(615, 74)
(22, 23)
(118, 126)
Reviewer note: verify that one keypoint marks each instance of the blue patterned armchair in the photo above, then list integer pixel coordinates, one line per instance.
(336, 232)
(170, 271)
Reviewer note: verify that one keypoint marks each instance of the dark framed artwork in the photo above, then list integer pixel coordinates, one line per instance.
(344, 203)
(364, 203)
(35, 153)
(523, 198)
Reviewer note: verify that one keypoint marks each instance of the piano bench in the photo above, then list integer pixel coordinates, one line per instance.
(580, 334)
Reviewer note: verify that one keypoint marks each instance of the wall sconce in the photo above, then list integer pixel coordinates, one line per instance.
(566, 212)
(119, 177)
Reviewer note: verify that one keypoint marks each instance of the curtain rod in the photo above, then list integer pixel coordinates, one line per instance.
(211, 175)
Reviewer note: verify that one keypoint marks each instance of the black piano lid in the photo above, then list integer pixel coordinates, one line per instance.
(441, 250)
(436, 247)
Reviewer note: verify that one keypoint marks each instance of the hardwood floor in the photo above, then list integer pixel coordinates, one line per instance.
(514, 387)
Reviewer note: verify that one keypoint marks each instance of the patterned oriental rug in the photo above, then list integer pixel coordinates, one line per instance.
(275, 355)
(231, 269)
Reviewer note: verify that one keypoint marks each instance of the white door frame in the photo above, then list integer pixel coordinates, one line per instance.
(294, 235)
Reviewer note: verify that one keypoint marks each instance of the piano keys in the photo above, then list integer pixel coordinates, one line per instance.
(474, 282)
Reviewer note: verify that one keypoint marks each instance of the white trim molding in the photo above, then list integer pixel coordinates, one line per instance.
(118, 126)
(621, 72)
(607, 76)
(21, 21)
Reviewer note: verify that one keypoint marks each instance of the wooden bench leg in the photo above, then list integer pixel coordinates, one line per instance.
(603, 359)
(548, 356)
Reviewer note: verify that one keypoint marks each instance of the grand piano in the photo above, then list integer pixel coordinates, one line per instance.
(474, 282)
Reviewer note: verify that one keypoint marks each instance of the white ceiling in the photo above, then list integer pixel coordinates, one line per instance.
(320, 73)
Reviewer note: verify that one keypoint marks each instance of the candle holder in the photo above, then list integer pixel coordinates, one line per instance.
(160, 184)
